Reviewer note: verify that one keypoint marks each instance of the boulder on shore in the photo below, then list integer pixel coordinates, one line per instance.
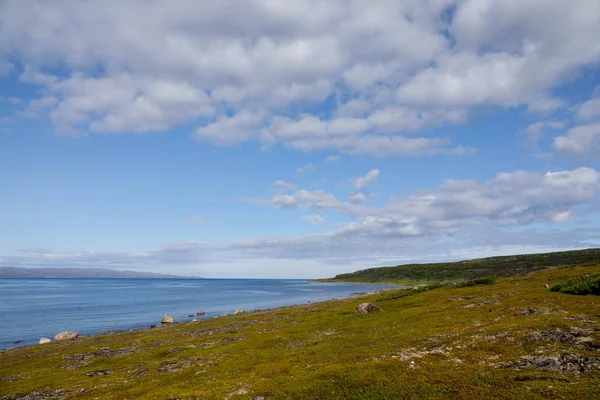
(166, 320)
(239, 311)
(366, 308)
(200, 313)
(45, 340)
(66, 336)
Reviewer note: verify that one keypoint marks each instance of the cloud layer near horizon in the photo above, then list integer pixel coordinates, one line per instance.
(384, 78)
(457, 216)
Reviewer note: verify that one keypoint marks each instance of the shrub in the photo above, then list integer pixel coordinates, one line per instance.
(582, 285)
(487, 280)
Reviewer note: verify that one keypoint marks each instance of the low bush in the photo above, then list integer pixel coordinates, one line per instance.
(487, 280)
(582, 285)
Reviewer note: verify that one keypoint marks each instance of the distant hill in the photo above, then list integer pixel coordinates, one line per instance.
(12, 272)
(470, 269)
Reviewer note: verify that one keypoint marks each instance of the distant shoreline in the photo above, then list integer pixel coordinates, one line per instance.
(159, 325)
(82, 273)
(86, 329)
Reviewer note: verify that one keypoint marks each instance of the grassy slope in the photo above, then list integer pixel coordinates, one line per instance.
(461, 270)
(326, 351)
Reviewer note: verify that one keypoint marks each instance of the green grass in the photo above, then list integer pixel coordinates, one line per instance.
(416, 274)
(436, 342)
(581, 285)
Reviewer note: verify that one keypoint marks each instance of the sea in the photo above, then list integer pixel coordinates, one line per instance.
(34, 308)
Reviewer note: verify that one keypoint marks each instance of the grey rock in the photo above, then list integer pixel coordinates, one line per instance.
(100, 372)
(529, 310)
(366, 308)
(66, 336)
(45, 340)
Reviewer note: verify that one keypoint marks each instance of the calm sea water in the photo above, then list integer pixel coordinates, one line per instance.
(35, 308)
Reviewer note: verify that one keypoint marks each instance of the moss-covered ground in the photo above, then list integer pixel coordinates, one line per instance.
(448, 343)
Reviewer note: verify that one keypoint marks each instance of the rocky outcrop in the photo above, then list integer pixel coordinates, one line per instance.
(562, 363)
(45, 340)
(366, 308)
(529, 310)
(200, 313)
(166, 320)
(239, 311)
(66, 336)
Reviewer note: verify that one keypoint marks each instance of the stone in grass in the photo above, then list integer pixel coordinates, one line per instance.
(100, 372)
(166, 320)
(45, 340)
(66, 336)
(239, 311)
(366, 308)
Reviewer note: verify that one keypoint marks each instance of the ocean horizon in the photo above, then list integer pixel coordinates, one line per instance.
(32, 308)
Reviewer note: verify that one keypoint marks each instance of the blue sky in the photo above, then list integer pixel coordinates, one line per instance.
(263, 139)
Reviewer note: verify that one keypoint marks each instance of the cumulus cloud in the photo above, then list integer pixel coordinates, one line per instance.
(333, 159)
(306, 168)
(314, 219)
(284, 187)
(510, 199)
(581, 141)
(362, 182)
(258, 71)
(460, 218)
(590, 109)
(534, 132)
(357, 198)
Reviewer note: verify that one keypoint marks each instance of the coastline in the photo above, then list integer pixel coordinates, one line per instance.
(197, 319)
(512, 338)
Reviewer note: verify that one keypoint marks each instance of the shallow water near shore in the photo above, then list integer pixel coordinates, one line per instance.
(35, 308)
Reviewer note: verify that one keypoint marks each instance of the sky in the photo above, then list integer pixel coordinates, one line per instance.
(276, 139)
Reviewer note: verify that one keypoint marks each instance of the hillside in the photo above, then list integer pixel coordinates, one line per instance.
(91, 273)
(512, 339)
(470, 269)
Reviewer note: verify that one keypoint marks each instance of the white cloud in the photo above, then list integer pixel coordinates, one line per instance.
(313, 219)
(357, 198)
(460, 219)
(240, 72)
(306, 168)
(534, 132)
(581, 141)
(590, 109)
(231, 130)
(283, 186)
(333, 159)
(362, 182)
(517, 198)
(314, 200)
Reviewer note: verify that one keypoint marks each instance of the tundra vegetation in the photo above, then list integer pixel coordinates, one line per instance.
(509, 336)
